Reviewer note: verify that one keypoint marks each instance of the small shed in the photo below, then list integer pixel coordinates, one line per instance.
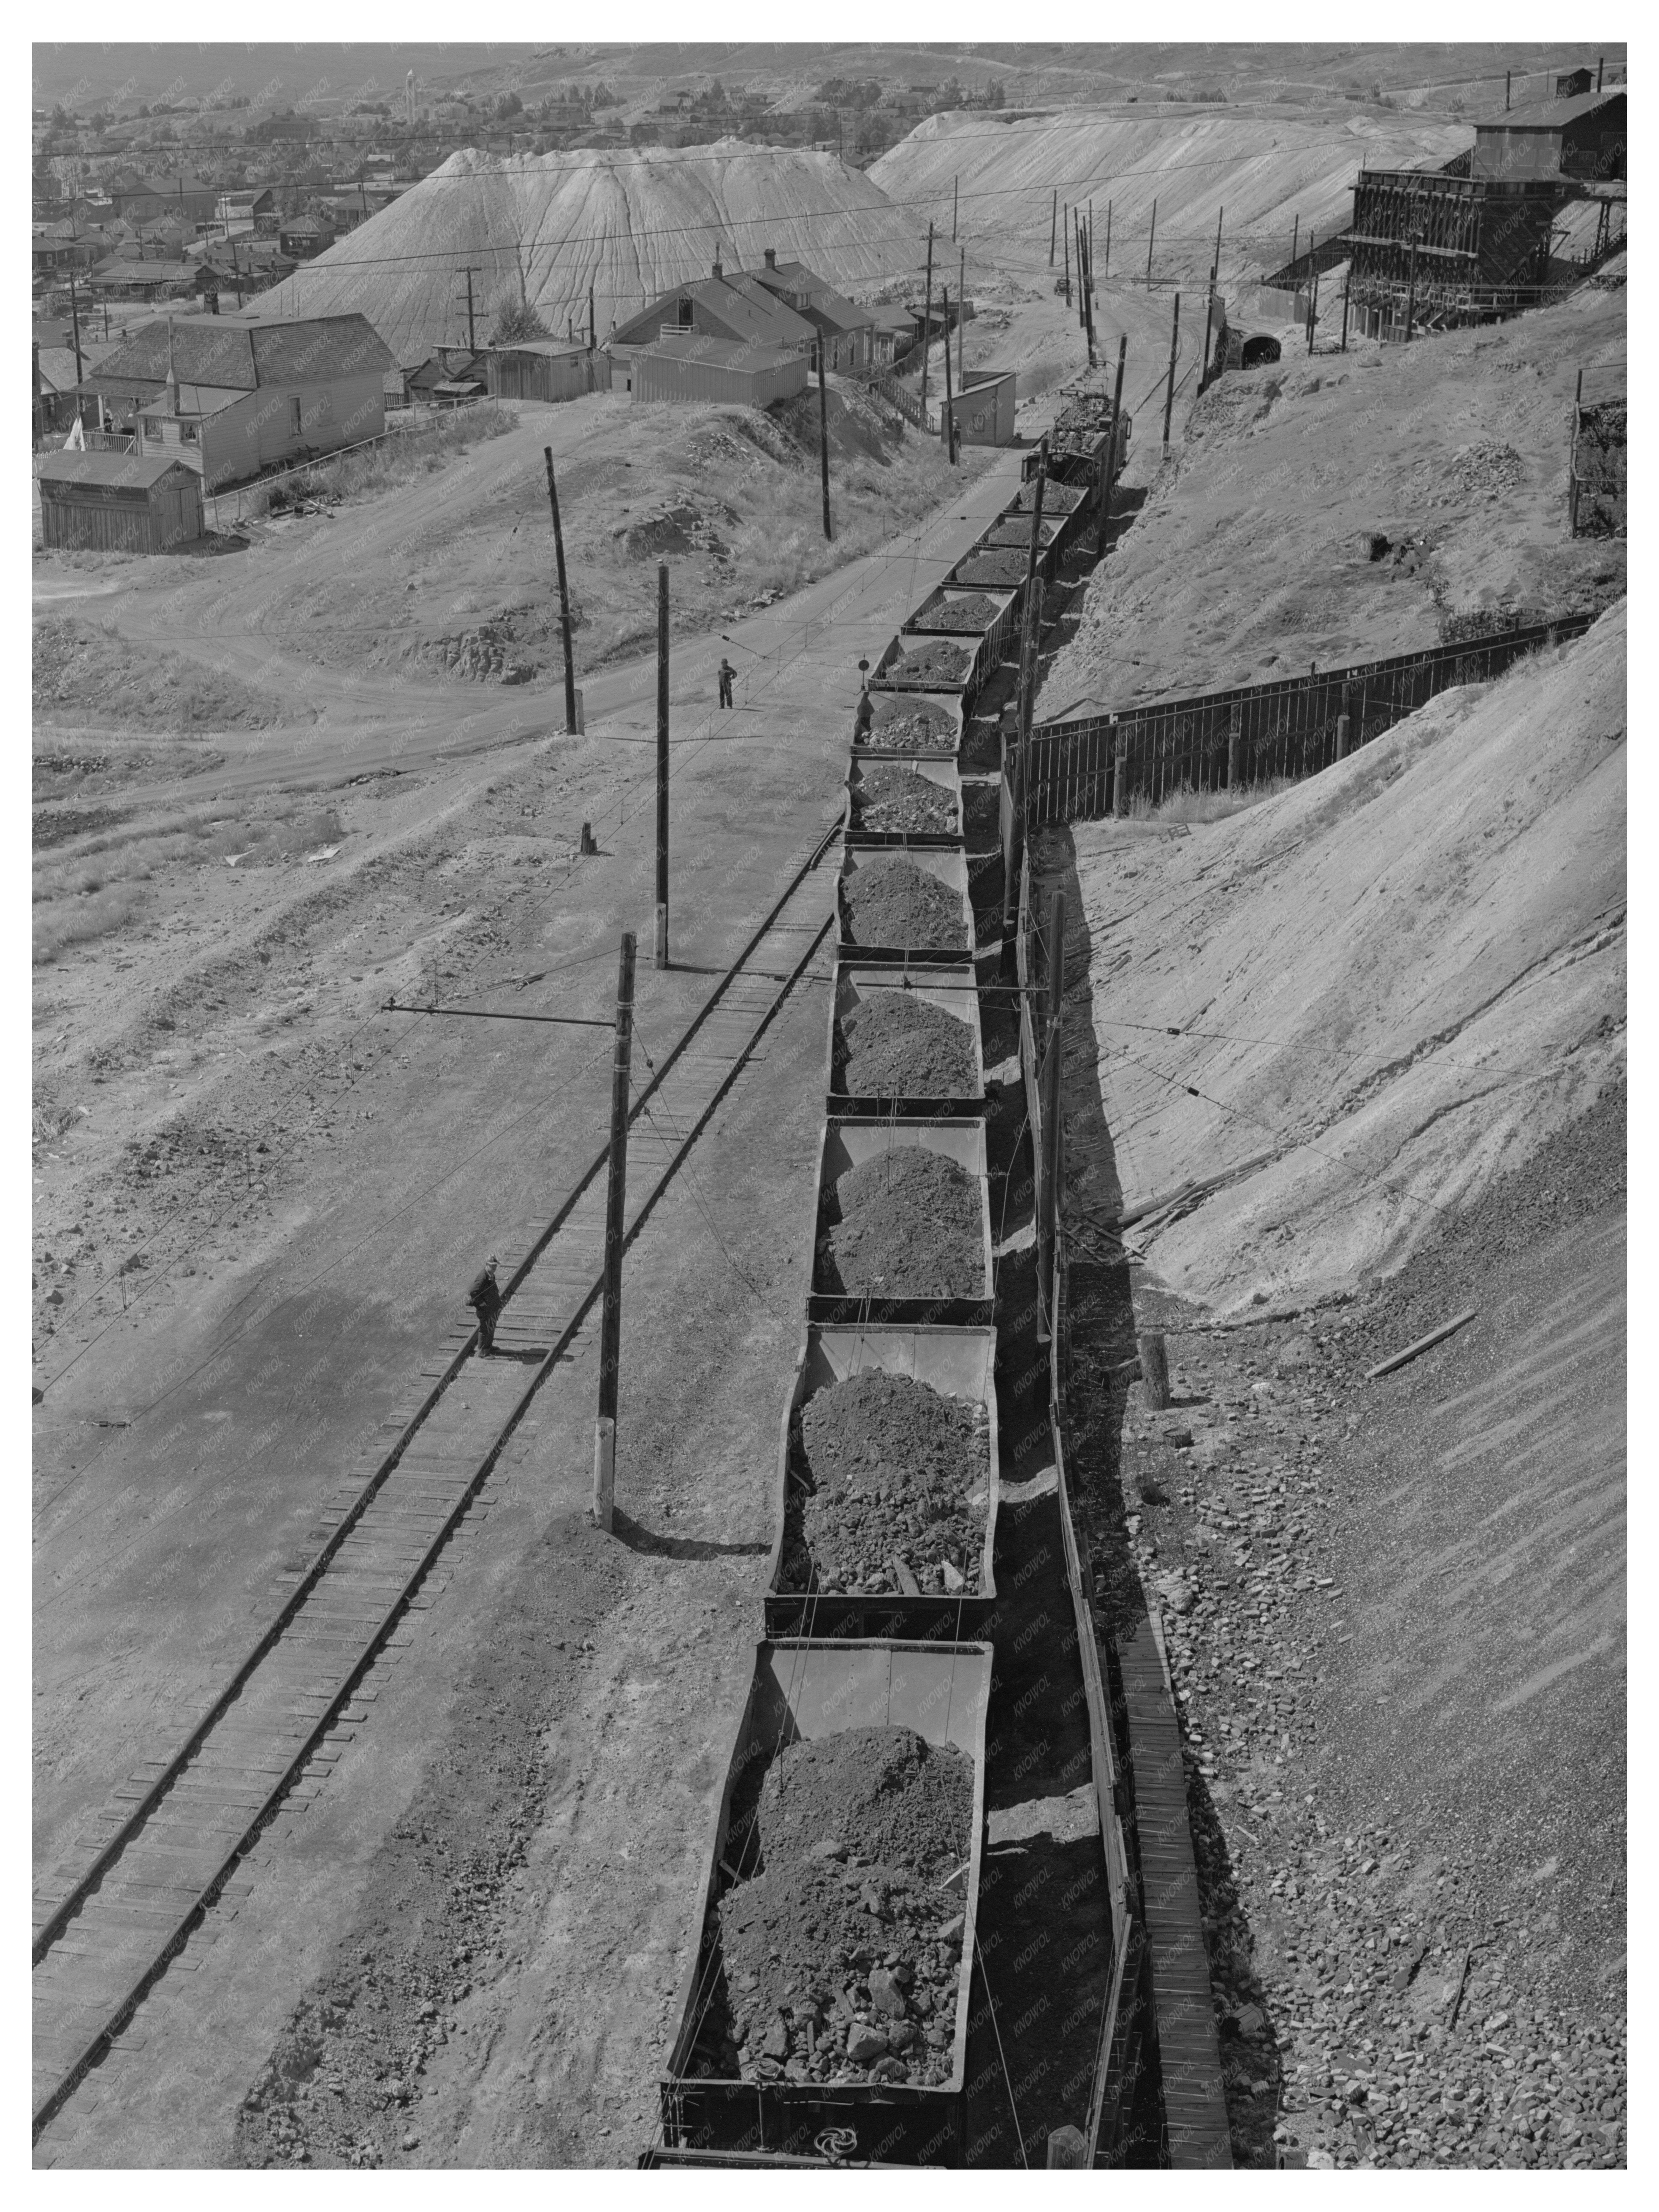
(545, 369)
(983, 411)
(118, 502)
(684, 366)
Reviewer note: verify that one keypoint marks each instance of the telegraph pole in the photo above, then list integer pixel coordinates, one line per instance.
(947, 427)
(592, 327)
(962, 309)
(1106, 257)
(1116, 445)
(1053, 224)
(1151, 235)
(471, 333)
(955, 185)
(927, 326)
(824, 433)
(1048, 1196)
(75, 324)
(1030, 638)
(1411, 295)
(564, 599)
(1169, 396)
(1068, 257)
(615, 1194)
(662, 763)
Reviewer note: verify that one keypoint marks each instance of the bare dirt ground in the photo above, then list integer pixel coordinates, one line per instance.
(234, 1322)
(1256, 553)
(1394, 1617)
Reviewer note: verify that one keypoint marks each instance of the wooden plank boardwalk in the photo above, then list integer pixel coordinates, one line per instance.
(1189, 2054)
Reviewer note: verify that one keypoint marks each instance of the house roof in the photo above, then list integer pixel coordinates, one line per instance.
(242, 354)
(720, 353)
(1547, 114)
(305, 226)
(120, 269)
(744, 309)
(551, 348)
(822, 298)
(57, 368)
(128, 471)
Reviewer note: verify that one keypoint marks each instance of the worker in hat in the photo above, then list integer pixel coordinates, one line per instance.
(485, 1299)
(727, 673)
(864, 716)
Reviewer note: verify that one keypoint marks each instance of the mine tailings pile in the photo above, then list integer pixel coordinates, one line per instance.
(920, 1940)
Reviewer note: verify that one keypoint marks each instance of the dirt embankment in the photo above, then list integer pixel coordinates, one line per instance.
(88, 674)
(1396, 1619)
(1257, 551)
(1345, 1010)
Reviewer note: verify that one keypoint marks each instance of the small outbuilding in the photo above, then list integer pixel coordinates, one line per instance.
(983, 411)
(682, 366)
(546, 369)
(118, 502)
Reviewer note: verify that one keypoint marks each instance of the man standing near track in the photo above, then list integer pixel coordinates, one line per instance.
(727, 674)
(485, 1299)
(864, 716)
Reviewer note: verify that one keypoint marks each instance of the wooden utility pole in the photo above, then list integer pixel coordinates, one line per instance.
(1106, 257)
(74, 327)
(1209, 333)
(1053, 225)
(1506, 91)
(1154, 1370)
(1082, 273)
(955, 182)
(1411, 294)
(662, 763)
(1219, 212)
(1068, 257)
(1048, 1194)
(472, 331)
(592, 327)
(1346, 281)
(1168, 395)
(1313, 292)
(1151, 234)
(947, 426)
(962, 309)
(824, 436)
(927, 326)
(1030, 636)
(1295, 236)
(564, 599)
(615, 1196)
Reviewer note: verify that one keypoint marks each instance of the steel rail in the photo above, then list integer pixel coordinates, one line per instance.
(99, 2042)
(133, 1823)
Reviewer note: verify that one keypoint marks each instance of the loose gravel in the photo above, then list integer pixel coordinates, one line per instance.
(974, 613)
(910, 1225)
(893, 903)
(894, 1045)
(893, 799)
(842, 1957)
(934, 668)
(886, 1470)
(919, 729)
(993, 570)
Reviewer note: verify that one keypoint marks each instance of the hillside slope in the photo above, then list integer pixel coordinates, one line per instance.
(626, 224)
(1393, 980)
(1265, 170)
(1252, 555)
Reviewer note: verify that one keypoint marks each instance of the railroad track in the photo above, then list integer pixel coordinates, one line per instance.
(168, 1845)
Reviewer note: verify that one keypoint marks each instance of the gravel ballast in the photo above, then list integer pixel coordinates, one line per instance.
(892, 903)
(910, 1226)
(893, 799)
(974, 613)
(886, 1470)
(898, 1046)
(843, 1956)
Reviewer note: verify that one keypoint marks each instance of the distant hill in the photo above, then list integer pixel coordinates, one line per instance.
(628, 224)
(1268, 172)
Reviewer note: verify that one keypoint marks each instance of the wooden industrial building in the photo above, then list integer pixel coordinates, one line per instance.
(1582, 138)
(118, 502)
(1436, 251)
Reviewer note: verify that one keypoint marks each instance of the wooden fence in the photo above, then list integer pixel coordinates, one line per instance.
(1100, 764)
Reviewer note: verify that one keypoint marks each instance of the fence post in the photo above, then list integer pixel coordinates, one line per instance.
(1235, 737)
(1342, 737)
(1120, 768)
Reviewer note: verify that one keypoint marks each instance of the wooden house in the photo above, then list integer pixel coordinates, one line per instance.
(118, 502)
(685, 367)
(1546, 140)
(234, 396)
(544, 369)
(846, 331)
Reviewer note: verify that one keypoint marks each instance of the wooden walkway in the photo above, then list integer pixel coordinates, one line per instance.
(1189, 2054)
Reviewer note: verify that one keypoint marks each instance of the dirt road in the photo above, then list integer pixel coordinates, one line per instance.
(253, 1391)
